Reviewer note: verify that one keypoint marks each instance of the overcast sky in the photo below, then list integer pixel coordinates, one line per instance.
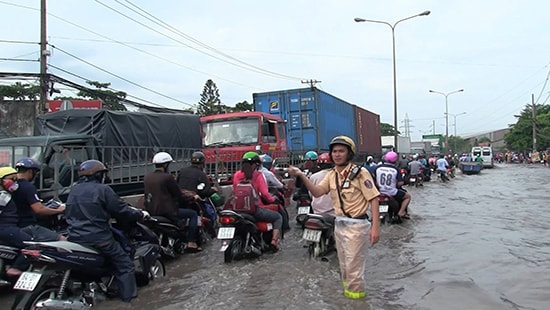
(497, 51)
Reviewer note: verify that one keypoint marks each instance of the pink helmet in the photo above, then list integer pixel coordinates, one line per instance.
(391, 157)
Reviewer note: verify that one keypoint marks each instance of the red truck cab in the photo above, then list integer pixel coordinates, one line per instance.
(228, 136)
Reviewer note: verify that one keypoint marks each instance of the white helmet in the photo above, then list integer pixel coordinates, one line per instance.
(162, 157)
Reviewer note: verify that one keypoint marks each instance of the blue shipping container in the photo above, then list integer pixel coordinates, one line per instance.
(313, 116)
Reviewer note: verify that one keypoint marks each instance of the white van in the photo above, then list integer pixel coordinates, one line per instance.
(486, 153)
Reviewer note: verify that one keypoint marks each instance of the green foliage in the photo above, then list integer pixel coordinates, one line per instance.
(520, 137)
(20, 91)
(387, 130)
(111, 99)
(210, 102)
(458, 145)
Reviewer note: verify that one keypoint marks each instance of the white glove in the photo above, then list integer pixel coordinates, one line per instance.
(146, 214)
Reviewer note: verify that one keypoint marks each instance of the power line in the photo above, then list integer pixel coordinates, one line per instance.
(120, 77)
(18, 59)
(17, 42)
(165, 25)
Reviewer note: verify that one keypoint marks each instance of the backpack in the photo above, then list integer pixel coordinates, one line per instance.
(244, 199)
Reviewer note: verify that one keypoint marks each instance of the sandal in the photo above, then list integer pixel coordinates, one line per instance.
(406, 216)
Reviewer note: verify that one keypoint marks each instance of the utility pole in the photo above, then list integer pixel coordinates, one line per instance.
(310, 82)
(433, 127)
(44, 53)
(534, 123)
(407, 125)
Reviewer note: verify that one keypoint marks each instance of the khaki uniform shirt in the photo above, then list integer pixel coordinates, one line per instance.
(356, 197)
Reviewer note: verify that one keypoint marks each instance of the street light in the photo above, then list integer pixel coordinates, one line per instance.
(446, 113)
(360, 20)
(454, 124)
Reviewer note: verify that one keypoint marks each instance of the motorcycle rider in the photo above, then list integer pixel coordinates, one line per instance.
(10, 234)
(29, 205)
(249, 171)
(414, 166)
(389, 182)
(309, 167)
(273, 183)
(442, 165)
(90, 206)
(352, 190)
(323, 204)
(191, 176)
(163, 196)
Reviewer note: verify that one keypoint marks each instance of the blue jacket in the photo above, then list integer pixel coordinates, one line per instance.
(90, 206)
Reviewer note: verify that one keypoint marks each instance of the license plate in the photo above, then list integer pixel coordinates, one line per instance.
(382, 208)
(412, 179)
(303, 210)
(312, 235)
(27, 281)
(226, 232)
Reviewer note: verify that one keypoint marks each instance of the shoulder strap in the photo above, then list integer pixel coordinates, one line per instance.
(340, 194)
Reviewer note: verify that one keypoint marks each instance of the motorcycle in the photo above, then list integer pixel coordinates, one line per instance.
(242, 236)
(8, 254)
(319, 234)
(388, 208)
(171, 236)
(67, 275)
(417, 179)
(303, 208)
(443, 175)
(404, 175)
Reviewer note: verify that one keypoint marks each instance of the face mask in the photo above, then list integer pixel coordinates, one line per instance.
(10, 185)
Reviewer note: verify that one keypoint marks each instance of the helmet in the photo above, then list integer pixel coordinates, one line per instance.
(403, 156)
(162, 157)
(4, 171)
(251, 157)
(198, 157)
(324, 158)
(369, 158)
(311, 155)
(91, 167)
(27, 163)
(266, 158)
(415, 156)
(391, 157)
(344, 140)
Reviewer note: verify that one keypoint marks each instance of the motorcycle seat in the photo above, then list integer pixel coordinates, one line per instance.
(162, 219)
(65, 245)
(328, 219)
(249, 217)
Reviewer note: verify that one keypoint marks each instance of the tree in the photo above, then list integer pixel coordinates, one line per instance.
(520, 136)
(210, 102)
(111, 99)
(20, 91)
(242, 106)
(387, 130)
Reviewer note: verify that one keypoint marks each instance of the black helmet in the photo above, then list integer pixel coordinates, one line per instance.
(27, 163)
(91, 167)
(198, 158)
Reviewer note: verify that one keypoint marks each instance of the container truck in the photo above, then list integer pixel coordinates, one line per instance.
(124, 141)
(403, 144)
(437, 142)
(313, 117)
(421, 147)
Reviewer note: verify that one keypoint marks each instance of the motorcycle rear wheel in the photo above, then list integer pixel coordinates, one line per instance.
(41, 294)
(233, 251)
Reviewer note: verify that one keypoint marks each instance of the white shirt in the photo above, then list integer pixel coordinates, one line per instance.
(322, 204)
(386, 178)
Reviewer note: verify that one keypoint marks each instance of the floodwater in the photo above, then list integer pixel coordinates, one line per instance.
(477, 242)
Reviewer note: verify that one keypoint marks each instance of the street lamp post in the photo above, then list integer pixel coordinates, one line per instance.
(446, 113)
(360, 20)
(454, 125)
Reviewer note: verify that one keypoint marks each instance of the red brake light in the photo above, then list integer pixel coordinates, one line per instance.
(313, 224)
(303, 202)
(31, 253)
(382, 198)
(226, 220)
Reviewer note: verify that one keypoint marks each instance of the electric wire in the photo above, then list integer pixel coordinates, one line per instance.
(120, 77)
(250, 67)
(167, 26)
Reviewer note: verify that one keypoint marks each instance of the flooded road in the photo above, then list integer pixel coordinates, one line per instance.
(477, 242)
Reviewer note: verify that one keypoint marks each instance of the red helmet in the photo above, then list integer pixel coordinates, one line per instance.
(324, 158)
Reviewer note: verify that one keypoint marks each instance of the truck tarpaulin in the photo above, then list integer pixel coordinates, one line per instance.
(122, 128)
